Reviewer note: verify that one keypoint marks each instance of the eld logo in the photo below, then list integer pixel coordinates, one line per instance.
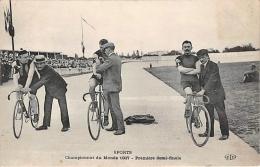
(230, 156)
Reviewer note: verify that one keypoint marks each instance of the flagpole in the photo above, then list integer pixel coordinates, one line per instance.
(12, 28)
(82, 43)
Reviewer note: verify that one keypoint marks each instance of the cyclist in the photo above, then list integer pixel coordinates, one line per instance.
(24, 76)
(96, 78)
(189, 67)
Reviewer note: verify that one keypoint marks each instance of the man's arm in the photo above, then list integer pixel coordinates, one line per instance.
(40, 83)
(196, 70)
(30, 75)
(16, 74)
(103, 67)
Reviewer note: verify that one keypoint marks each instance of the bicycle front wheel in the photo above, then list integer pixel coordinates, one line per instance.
(199, 124)
(94, 121)
(34, 112)
(17, 120)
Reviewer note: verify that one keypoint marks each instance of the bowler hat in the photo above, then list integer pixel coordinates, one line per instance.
(39, 59)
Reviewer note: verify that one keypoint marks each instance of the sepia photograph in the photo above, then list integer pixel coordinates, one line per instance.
(129, 83)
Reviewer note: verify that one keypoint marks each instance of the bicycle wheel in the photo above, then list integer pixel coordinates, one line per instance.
(94, 122)
(17, 120)
(33, 117)
(198, 125)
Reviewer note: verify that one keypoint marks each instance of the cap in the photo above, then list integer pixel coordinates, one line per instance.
(202, 52)
(39, 59)
(21, 52)
(107, 45)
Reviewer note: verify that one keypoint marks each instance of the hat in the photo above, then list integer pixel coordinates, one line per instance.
(39, 59)
(107, 45)
(21, 52)
(202, 52)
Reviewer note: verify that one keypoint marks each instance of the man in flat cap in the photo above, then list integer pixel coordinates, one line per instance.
(55, 87)
(212, 87)
(112, 85)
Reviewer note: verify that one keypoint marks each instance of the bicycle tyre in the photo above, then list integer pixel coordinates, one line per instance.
(93, 118)
(34, 124)
(203, 112)
(17, 118)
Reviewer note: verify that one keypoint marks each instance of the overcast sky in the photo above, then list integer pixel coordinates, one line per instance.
(131, 25)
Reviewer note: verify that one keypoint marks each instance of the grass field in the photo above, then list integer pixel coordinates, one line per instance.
(242, 99)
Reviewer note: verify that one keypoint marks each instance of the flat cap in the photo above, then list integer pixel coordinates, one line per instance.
(21, 52)
(202, 52)
(107, 45)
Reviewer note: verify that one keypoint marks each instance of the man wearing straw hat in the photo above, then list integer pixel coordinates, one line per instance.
(55, 87)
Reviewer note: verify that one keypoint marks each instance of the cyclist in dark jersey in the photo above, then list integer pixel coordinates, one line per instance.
(96, 78)
(24, 76)
(188, 66)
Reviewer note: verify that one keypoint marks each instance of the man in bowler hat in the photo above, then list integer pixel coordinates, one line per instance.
(112, 85)
(212, 87)
(55, 87)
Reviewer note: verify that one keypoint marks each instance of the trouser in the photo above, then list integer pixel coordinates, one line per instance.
(63, 109)
(115, 109)
(223, 122)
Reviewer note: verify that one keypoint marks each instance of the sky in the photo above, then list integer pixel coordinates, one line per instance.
(131, 25)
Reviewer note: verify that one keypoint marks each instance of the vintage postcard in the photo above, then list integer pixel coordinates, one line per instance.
(129, 83)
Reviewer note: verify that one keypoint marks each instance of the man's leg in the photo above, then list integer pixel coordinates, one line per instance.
(114, 97)
(64, 111)
(47, 110)
(187, 91)
(223, 122)
(106, 110)
(210, 109)
(114, 122)
(92, 85)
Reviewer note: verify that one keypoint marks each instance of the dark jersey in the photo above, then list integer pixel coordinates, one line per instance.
(23, 70)
(188, 61)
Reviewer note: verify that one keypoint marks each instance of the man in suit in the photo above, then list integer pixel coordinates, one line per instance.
(112, 85)
(212, 87)
(55, 87)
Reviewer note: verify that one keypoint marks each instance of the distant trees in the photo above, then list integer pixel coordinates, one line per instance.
(211, 50)
(172, 52)
(243, 48)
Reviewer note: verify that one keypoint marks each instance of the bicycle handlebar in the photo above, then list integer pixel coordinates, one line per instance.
(96, 92)
(18, 91)
(205, 96)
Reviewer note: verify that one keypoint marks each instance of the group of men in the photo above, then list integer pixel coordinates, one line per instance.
(200, 75)
(30, 75)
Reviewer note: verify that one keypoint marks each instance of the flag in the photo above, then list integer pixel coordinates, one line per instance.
(88, 24)
(83, 47)
(5, 18)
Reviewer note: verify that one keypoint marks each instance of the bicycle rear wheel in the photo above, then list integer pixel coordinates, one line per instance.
(33, 117)
(17, 120)
(94, 121)
(198, 125)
